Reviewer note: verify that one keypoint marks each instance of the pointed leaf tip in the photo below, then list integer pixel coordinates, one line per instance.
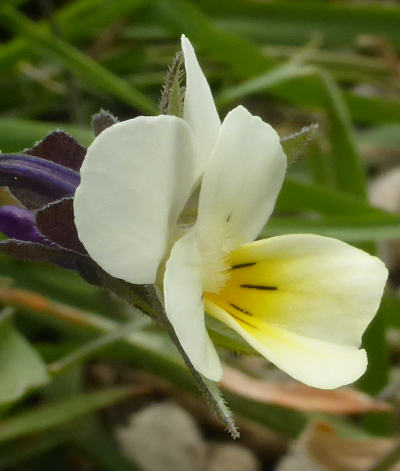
(56, 222)
(101, 121)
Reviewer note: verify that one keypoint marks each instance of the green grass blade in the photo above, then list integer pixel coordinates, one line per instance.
(55, 414)
(80, 64)
(182, 16)
(75, 20)
(299, 196)
(17, 134)
(294, 22)
(350, 175)
(348, 228)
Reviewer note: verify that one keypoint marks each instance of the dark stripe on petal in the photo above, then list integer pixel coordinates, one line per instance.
(260, 287)
(242, 265)
(243, 321)
(241, 309)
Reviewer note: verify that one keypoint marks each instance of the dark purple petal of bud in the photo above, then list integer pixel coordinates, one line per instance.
(56, 222)
(38, 252)
(35, 181)
(60, 148)
(20, 224)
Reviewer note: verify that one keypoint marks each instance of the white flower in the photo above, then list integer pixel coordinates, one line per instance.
(302, 301)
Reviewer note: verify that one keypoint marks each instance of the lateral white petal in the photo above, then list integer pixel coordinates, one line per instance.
(199, 107)
(243, 177)
(304, 302)
(135, 180)
(183, 294)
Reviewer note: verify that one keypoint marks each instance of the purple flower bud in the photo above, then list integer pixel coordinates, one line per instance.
(20, 224)
(41, 181)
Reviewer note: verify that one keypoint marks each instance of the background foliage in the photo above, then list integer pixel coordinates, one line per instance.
(64, 353)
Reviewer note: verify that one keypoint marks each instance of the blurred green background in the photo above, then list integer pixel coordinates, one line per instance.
(294, 63)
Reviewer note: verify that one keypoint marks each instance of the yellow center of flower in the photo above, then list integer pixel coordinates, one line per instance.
(215, 250)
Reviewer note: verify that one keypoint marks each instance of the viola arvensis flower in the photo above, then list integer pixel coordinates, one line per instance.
(302, 301)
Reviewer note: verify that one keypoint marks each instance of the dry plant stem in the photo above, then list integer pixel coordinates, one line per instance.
(23, 299)
(388, 461)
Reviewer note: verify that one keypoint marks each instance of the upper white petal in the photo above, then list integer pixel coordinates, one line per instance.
(311, 324)
(199, 107)
(183, 294)
(135, 180)
(243, 177)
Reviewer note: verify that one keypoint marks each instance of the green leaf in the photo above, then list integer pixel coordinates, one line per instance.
(21, 367)
(55, 414)
(294, 144)
(172, 94)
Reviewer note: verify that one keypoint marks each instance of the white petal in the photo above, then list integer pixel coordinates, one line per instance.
(183, 294)
(243, 177)
(322, 295)
(135, 180)
(199, 107)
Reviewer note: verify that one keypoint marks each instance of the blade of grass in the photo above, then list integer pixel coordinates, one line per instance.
(291, 21)
(350, 175)
(17, 134)
(349, 228)
(52, 415)
(86, 350)
(74, 20)
(277, 75)
(183, 16)
(299, 196)
(80, 64)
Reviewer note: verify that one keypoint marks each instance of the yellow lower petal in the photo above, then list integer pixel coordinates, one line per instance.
(303, 302)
